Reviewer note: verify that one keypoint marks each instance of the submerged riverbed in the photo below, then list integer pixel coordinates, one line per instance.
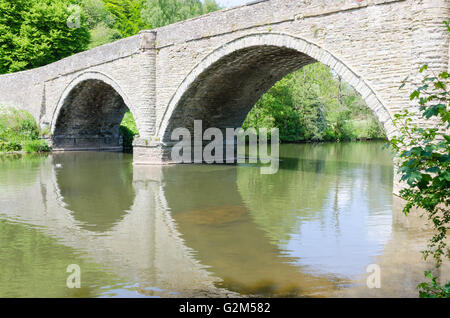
(310, 230)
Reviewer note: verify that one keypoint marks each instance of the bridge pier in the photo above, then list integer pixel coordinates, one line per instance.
(152, 152)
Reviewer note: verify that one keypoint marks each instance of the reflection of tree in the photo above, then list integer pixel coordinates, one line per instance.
(336, 204)
(19, 170)
(213, 220)
(380, 181)
(275, 201)
(307, 174)
(102, 199)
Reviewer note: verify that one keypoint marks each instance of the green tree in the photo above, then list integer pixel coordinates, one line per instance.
(100, 22)
(313, 104)
(128, 130)
(127, 16)
(35, 32)
(158, 13)
(110, 20)
(275, 109)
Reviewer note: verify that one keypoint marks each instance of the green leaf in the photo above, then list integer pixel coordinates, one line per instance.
(414, 95)
(423, 68)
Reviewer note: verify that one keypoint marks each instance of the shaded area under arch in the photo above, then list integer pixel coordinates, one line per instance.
(90, 118)
(226, 84)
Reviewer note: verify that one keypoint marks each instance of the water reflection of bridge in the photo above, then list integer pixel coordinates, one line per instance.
(138, 245)
(171, 228)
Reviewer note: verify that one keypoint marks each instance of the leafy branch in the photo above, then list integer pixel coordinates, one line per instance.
(423, 154)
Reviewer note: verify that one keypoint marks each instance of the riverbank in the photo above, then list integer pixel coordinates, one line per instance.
(361, 139)
(19, 132)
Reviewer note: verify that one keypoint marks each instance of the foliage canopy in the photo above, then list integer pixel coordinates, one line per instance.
(313, 104)
(35, 32)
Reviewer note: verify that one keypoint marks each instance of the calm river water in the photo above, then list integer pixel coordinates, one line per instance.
(311, 230)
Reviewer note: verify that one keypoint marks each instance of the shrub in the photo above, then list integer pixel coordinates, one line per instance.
(9, 146)
(433, 289)
(128, 130)
(36, 145)
(424, 160)
(19, 131)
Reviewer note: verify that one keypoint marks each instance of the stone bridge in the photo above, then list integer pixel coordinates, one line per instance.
(215, 67)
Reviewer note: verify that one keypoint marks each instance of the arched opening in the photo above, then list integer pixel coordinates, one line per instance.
(225, 92)
(329, 186)
(90, 118)
(225, 86)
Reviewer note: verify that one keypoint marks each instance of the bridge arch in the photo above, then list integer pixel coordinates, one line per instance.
(89, 113)
(225, 85)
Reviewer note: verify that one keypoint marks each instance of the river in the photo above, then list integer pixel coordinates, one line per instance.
(310, 230)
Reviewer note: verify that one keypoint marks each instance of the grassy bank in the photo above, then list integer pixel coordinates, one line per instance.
(19, 132)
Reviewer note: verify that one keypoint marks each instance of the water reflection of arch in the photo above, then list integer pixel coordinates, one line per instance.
(305, 178)
(327, 204)
(102, 200)
(231, 215)
(138, 247)
(216, 223)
